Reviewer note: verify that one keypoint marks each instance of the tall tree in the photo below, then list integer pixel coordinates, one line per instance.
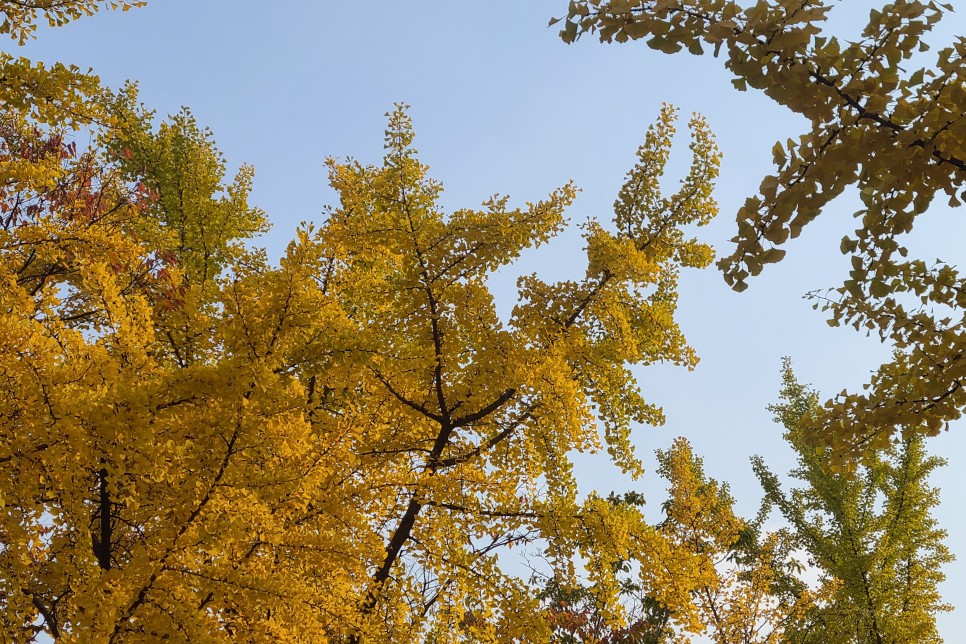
(190, 446)
(67, 269)
(471, 418)
(198, 445)
(738, 602)
(123, 414)
(870, 529)
(895, 132)
(745, 584)
(111, 447)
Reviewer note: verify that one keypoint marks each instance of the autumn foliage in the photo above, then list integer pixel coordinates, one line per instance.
(198, 444)
(879, 122)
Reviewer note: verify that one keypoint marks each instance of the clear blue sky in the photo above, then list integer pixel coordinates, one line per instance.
(500, 104)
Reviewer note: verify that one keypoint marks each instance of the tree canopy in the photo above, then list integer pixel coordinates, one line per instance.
(200, 444)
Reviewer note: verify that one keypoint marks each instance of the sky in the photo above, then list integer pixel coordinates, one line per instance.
(501, 105)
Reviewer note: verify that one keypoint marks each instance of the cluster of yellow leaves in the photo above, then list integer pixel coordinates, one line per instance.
(57, 93)
(702, 572)
(20, 17)
(734, 600)
(897, 134)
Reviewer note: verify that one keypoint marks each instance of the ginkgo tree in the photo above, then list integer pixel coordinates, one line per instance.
(105, 456)
(189, 452)
(463, 422)
(877, 121)
(870, 529)
(859, 558)
(200, 445)
(746, 583)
